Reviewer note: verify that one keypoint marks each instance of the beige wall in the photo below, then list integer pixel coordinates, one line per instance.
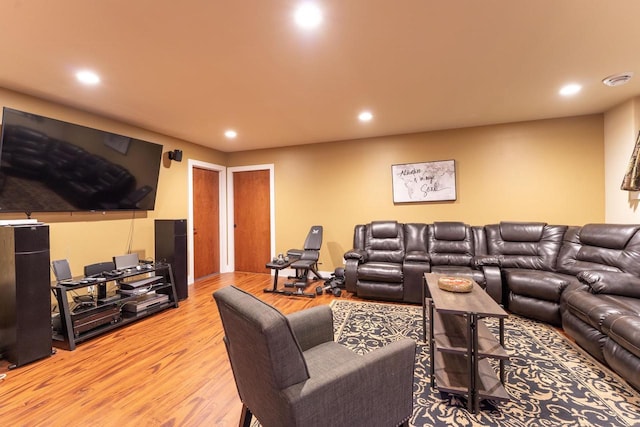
(549, 170)
(85, 238)
(621, 130)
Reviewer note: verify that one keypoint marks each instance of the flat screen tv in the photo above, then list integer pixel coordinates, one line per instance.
(48, 165)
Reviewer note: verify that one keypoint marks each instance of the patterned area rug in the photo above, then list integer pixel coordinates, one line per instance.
(551, 381)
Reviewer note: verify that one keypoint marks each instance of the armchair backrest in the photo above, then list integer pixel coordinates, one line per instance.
(450, 243)
(533, 245)
(264, 353)
(384, 242)
(602, 247)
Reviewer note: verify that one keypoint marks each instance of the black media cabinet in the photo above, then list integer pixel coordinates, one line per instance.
(82, 313)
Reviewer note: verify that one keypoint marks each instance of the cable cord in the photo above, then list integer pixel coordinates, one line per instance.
(130, 238)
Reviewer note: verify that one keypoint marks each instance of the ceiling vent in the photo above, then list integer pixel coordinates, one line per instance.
(617, 79)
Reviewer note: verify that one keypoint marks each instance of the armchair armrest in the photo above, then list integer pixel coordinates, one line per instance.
(611, 282)
(380, 381)
(312, 326)
(357, 254)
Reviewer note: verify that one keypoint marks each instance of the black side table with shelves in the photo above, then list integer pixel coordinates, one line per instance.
(81, 316)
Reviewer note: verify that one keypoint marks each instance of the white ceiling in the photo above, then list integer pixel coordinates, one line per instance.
(194, 68)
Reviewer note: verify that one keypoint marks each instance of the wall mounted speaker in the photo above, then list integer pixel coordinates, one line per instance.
(175, 155)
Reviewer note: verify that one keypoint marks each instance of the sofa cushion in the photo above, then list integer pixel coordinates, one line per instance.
(625, 330)
(381, 290)
(450, 243)
(385, 242)
(624, 362)
(521, 231)
(525, 245)
(380, 272)
(612, 236)
(613, 283)
(384, 229)
(585, 335)
(594, 310)
(545, 311)
(449, 230)
(592, 248)
(626, 306)
(542, 285)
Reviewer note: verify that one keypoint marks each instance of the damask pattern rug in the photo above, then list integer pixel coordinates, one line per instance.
(551, 381)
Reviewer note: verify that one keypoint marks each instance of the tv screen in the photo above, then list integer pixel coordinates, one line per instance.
(48, 165)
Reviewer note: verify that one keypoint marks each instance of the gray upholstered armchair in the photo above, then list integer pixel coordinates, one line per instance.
(290, 372)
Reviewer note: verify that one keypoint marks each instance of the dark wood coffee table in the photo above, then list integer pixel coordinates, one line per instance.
(461, 343)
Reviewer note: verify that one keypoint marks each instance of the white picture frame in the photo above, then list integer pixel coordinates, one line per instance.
(424, 182)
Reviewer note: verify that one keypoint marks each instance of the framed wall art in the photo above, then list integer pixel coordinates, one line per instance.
(424, 182)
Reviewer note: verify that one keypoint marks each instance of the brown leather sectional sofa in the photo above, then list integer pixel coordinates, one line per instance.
(585, 279)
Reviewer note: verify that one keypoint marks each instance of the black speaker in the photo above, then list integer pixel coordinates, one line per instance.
(175, 155)
(98, 268)
(93, 270)
(171, 247)
(25, 294)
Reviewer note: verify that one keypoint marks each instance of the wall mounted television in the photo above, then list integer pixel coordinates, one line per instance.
(47, 165)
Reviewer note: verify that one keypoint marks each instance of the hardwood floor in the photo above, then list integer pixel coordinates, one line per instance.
(170, 369)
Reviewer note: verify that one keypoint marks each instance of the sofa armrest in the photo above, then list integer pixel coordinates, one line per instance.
(312, 326)
(351, 274)
(611, 282)
(493, 278)
(357, 254)
(417, 256)
(482, 260)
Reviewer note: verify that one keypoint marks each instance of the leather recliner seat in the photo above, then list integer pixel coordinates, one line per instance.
(373, 267)
(388, 259)
(585, 279)
(601, 312)
(451, 250)
(527, 254)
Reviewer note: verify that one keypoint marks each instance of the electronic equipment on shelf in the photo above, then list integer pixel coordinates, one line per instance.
(145, 302)
(112, 273)
(109, 299)
(91, 319)
(136, 291)
(147, 281)
(121, 299)
(128, 261)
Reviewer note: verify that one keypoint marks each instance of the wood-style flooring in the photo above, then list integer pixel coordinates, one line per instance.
(170, 369)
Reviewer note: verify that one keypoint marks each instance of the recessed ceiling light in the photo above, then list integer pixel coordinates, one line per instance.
(230, 133)
(365, 116)
(308, 15)
(88, 77)
(617, 79)
(570, 89)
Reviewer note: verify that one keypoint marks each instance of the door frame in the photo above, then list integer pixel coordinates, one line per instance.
(230, 208)
(222, 207)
